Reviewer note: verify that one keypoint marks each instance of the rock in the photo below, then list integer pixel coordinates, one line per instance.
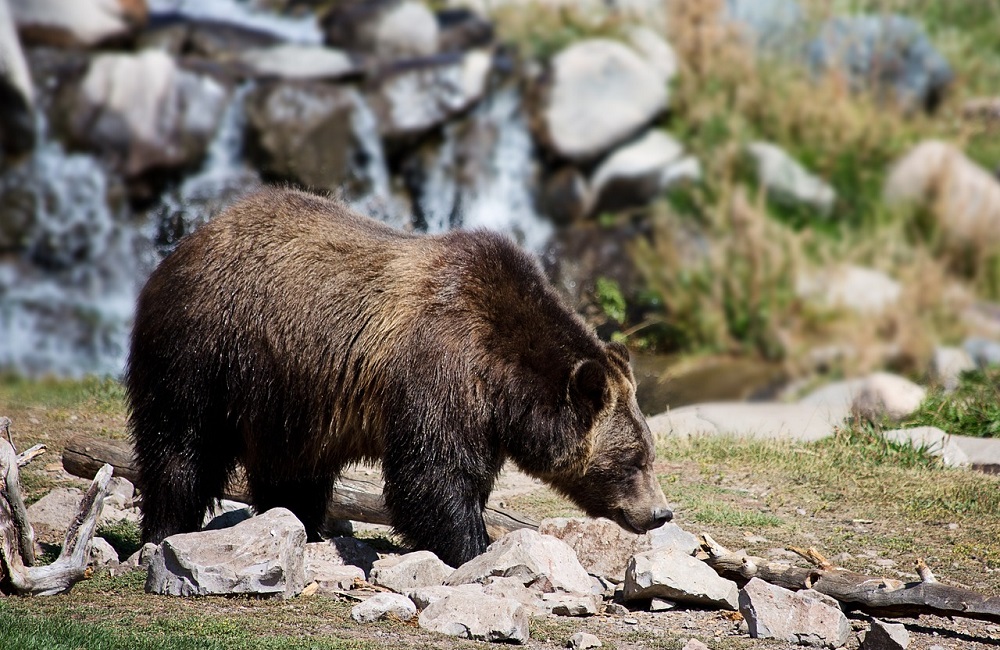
(830, 601)
(77, 23)
(616, 609)
(604, 548)
(932, 440)
(102, 554)
(566, 196)
(295, 61)
(947, 367)
(305, 133)
(263, 555)
(864, 291)
(963, 197)
(143, 113)
(410, 100)
(325, 566)
(51, 515)
(787, 181)
(422, 597)
(695, 644)
(661, 605)
(886, 636)
(539, 561)
(656, 51)
(404, 572)
(120, 492)
(226, 513)
(877, 395)
(667, 573)
(768, 420)
(481, 618)
(633, 174)
(460, 30)
(342, 551)
(887, 54)
(140, 559)
(984, 352)
(775, 613)
(389, 29)
(778, 26)
(382, 606)
(17, 110)
(599, 94)
(583, 641)
(563, 604)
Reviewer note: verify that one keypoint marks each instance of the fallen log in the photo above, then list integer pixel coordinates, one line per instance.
(353, 499)
(17, 557)
(883, 597)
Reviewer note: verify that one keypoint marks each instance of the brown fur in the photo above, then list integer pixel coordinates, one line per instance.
(296, 337)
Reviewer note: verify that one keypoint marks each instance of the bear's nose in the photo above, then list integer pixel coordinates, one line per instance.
(661, 516)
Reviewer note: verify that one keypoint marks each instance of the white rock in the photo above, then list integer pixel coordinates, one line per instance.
(584, 641)
(775, 613)
(600, 94)
(864, 291)
(787, 180)
(947, 366)
(695, 644)
(873, 396)
(634, 173)
(380, 606)
(667, 573)
(332, 579)
(804, 422)
(424, 596)
(481, 618)
(404, 572)
(652, 47)
(539, 561)
(409, 30)
(934, 441)
(78, 22)
(563, 604)
(102, 554)
(263, 555)
(296, 61)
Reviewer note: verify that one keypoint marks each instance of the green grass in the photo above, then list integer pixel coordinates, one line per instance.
(123, 535)
(102, 395)
(973, 409)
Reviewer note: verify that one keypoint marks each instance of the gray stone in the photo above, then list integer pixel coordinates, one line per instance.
(983, 453)
(102, 554)
(933, 441)
(404, 572)
(342, 551)
(120, 492)
(424, 596)
(563, 604)
(382, 606)
(886, 636)
(633, 174)
(867, 292)
(334, 579)
(540, 561)
(226, 514)
(874, 396)
(772, 612)
(389, 29)
(583, 641)
(805, 422)
(661, 605)
(51, 515)
(667, 573)
(695, 644)
(777, 26)
(601, 93)
(296, 61)
(74, 23)
(604, 548)
(481, 618)
(947, 366)
(985, 352)
(140, 559)
(823, 598)
(263, 555)
(788, 181)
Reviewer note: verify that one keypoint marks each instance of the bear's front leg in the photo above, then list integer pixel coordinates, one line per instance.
(438, 508)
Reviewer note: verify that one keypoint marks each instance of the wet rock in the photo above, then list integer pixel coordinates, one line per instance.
(932, 440)
(566, 196)
(102, 554)
(667, 573)
(74, 23)
(17, 93)
(539, 561)
(634, 173)
(583, 641)
(787, 181)
(461, 29)
(404, 572)
(143, 113)
(389, 29)
(599, 93)
(963, 197)
(382, 606)
(604, 548)
(410, 100)
(867, 292)
(887, 54)
(947, 367)
(877, 395)
(263, 555)
(886, 636)
(775, 613)
(294, 61)
(342, 551)
(481, 618)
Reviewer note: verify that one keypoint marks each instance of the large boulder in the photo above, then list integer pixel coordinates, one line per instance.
(772, 612)
(963, 197)
(389, 29)
(74, 23)
(263, 555)
(598, 93)
(142, 112)
(17, 94)
(887, 54)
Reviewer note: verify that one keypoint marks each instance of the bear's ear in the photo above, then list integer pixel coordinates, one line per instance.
(588, 384)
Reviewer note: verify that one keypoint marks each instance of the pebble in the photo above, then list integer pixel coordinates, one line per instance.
(631, 621)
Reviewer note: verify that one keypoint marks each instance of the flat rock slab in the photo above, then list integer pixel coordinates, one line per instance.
(775, 420)
(541, 562)
(263, 555)
(873, 396)
(667, 573)
(932, 440)
(772, 612)
(481, 618)
(983, 453)
(382, 606)
(404, 572)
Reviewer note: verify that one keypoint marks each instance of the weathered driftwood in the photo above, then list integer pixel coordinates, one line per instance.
(17, 573)
(855, 591)
(353, 499)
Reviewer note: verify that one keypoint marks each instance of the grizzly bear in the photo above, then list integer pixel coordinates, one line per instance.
(296, 337)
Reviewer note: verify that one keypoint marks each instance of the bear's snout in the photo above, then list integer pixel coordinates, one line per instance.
(661, 516)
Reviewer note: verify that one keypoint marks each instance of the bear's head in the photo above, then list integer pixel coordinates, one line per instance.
(615, 479)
